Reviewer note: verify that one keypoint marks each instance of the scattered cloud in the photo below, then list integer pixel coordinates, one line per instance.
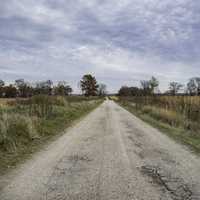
(121, 42)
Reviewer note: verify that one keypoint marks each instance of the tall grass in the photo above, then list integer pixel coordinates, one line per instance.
(24, 120)
(16, 130)
(177, 116)
(175, 110)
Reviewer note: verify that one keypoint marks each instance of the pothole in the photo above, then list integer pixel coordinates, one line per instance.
(175, 186)
(77, 157)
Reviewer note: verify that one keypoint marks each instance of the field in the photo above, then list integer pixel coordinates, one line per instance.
(26, 124)
(178, 116)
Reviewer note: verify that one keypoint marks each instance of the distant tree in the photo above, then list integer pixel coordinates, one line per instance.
(124, 91)
(102, 89)
(149, 86)
(89, 85)
(193, 86)
(174, 88)
(135, 91)
(62, 89)
(24, 88)
(2, 84)
(153, 84)
(129, 91)
(44, 87)
(48, 86)
(146, 87)
(10, 91)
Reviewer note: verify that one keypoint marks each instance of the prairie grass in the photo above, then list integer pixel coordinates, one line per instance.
(177, 110)
(27, 123)
(178, 116)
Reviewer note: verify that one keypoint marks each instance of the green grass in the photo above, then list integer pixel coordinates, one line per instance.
(26, 127)
(191, 138)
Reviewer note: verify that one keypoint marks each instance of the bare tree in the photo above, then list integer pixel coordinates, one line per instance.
(2, 84)
(62, 89)
(146, 87)
(193, 86)
(149, 86)
(174, 87)
(44, 87)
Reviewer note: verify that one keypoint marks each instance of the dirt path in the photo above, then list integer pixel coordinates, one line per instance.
(109, 155)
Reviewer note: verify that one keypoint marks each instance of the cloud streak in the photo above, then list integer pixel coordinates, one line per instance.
(120, 41)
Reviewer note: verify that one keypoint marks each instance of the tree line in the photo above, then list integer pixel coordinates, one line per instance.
(150, 87)
(21, 88)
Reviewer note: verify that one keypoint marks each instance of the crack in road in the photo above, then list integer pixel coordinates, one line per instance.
(175, 186)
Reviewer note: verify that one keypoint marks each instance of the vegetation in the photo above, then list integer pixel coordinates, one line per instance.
(174, 88)
(89, 85)
(23, 89)
(176, 113)
(31, 113)
(193, 86)
(27, 123)
(150, 87)
(175, 110)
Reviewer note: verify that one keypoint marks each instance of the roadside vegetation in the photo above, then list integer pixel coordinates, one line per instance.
(175, 113)
(36, 114)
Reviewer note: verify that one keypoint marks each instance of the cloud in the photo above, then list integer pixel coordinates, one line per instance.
(121, 42)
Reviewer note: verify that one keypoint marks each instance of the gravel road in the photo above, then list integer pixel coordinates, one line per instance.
(109, 155)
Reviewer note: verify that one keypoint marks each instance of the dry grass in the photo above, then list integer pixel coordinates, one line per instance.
(29, 122)
(178, 117)
(184, 110)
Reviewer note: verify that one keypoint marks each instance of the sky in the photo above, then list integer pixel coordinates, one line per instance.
(120, 42)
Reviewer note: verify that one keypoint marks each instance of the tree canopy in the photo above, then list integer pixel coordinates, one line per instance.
(89, 85)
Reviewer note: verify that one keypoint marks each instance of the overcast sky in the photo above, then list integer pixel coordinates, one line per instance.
(118, 41)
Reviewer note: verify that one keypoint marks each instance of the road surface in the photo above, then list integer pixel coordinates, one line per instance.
(109, 155)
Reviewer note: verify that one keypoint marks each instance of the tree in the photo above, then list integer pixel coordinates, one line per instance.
(44, 87)
(24, 89)
(2, 84)
(129, 91)
(89, 85)
(102, 89)
(146, 87)
(149, 86)
(153, 83)
(193, 86)
(62, 89)
(174, 88)
(10, 91)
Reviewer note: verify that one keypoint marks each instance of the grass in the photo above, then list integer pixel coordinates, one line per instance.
(26, 125)
(167, 122)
